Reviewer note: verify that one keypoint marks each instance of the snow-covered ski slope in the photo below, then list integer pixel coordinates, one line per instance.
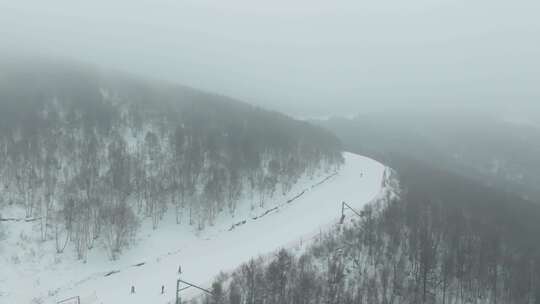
(155, 260)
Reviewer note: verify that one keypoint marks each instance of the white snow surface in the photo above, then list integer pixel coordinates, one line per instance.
(37, 273)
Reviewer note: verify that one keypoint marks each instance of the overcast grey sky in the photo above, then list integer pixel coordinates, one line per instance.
(307, 56)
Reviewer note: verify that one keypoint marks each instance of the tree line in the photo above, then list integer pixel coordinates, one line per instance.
(90, 154)
(445, 240)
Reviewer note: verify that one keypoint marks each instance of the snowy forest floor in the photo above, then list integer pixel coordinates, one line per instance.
(32, 273)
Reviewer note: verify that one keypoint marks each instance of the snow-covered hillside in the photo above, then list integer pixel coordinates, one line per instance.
(42, 277)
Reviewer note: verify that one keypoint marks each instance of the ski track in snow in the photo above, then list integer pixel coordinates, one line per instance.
(154, 261)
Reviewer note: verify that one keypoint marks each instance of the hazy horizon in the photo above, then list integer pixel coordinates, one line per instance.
(302, 58)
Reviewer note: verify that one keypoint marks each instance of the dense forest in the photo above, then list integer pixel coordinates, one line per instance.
(445, 240)
(88, 154)
(456, 234)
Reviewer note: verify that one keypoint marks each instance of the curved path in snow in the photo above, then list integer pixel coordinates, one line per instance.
(202, 258)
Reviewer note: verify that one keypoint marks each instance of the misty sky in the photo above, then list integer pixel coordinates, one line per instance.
(303, 56)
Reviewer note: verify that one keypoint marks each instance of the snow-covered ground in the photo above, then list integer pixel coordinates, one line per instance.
(39, 275)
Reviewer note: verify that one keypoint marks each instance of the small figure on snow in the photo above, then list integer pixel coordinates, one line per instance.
(162, 289)
(132, 289)
(180, 269)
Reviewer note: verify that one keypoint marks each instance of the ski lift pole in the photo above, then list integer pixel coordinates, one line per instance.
(178, 290)
(194, 286)
(178, 299)
(345, 205)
